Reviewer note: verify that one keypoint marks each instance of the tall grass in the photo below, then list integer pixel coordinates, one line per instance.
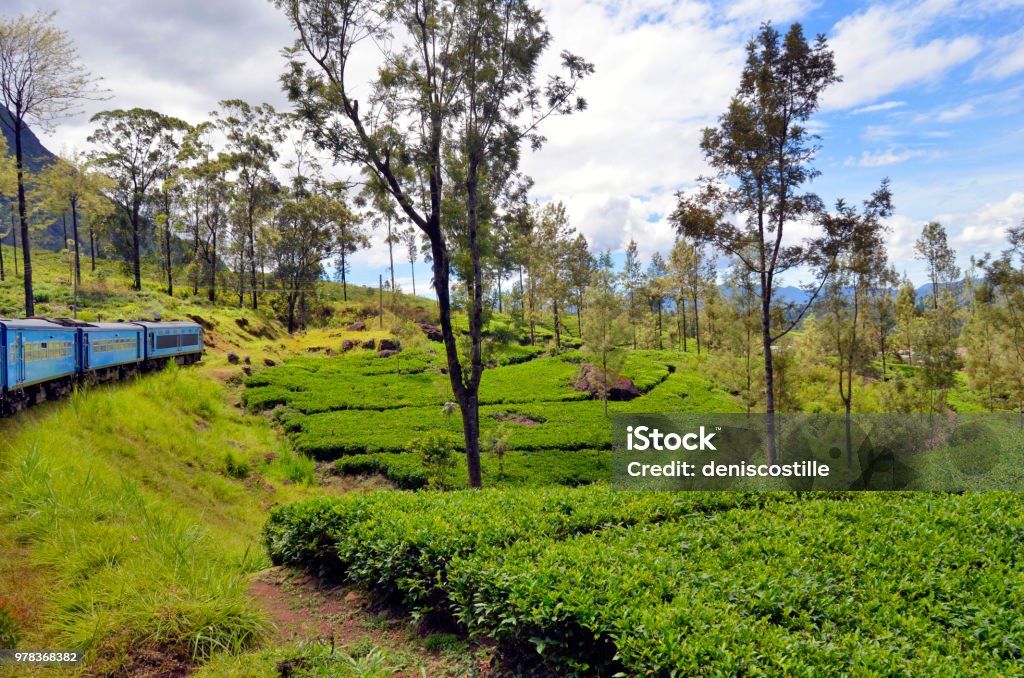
(120, 496)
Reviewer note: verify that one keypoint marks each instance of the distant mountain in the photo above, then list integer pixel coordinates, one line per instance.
(798, 296)
(36, 157)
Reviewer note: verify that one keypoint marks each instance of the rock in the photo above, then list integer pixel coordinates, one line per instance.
(247, 360)
(389, 345)
(357, 326)
(247, 370)
(269, 363)
(370, 344)
(201, 321)
(433, 333)
(591, 380)
(348, 345)
(233, 358)
(386, 353)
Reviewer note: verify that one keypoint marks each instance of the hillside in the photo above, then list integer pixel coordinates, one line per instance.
(36, 157)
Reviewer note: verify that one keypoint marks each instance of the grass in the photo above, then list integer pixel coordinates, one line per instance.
(123, 495)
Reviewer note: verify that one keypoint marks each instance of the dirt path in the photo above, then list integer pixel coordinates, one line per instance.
(304, 610)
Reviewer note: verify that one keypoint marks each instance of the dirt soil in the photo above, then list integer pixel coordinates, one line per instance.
(304, 609)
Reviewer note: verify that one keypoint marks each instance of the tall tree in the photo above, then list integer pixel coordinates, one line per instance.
(762, 154)
(458, 77)
(856, 272)
(135, 148)
(933, 247)
(603, 330)
(633, 278)
(307, 223)
(71, 183)
(41, 81)
(412, 247)
(657, 289)
(252, 134)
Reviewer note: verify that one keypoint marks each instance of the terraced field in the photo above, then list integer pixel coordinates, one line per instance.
(364, 411)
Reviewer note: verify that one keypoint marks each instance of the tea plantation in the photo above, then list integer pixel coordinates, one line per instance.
(591, 582)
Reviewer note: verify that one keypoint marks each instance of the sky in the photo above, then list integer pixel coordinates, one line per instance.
(932, 97)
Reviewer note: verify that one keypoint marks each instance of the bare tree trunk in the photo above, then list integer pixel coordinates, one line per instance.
(92, 245)
(769, 377)
(558, 336)
(30, 301)
(696, 322)
(167, 257)
(213, 268)
(74, 234)
(14, 237)
(137, 256)
(344, 283)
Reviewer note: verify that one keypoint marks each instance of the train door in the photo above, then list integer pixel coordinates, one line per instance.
(18, 352)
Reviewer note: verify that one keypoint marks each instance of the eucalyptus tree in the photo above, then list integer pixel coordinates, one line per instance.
(411, 241)
(71, 183)
(41, 80)
(135, 148)
(350, 237)
(252, 135)
(603, 331)
(457, 78)
(306, 235)
(633, 276)
(762, 155)
(933, 247)
(657, 289)
(579, 269)
(858, 270)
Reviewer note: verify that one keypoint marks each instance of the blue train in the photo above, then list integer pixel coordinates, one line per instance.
(44, 358)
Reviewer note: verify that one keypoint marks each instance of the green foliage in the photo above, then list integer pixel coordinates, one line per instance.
(436, 451)
(539, 468)
(736, 592)
(400, 544)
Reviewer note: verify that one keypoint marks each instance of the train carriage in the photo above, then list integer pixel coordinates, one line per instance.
(110, 350)
(39, 360)
(182, 341)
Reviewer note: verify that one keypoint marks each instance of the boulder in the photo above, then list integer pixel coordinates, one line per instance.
(357, 326)
(370, 344)
(591, 380)
(433, 333)
(386, 353)
(389, 345)
(269, 362)
(348, 345)
(233, 358)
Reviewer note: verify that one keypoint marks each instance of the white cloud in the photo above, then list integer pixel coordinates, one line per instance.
(881, 50)
(887, 157)
(878, 108)
(986, 226)
(1006, 58)
(777, 11)
(956, 113)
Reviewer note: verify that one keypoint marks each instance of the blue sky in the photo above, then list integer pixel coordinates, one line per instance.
(933, 98)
